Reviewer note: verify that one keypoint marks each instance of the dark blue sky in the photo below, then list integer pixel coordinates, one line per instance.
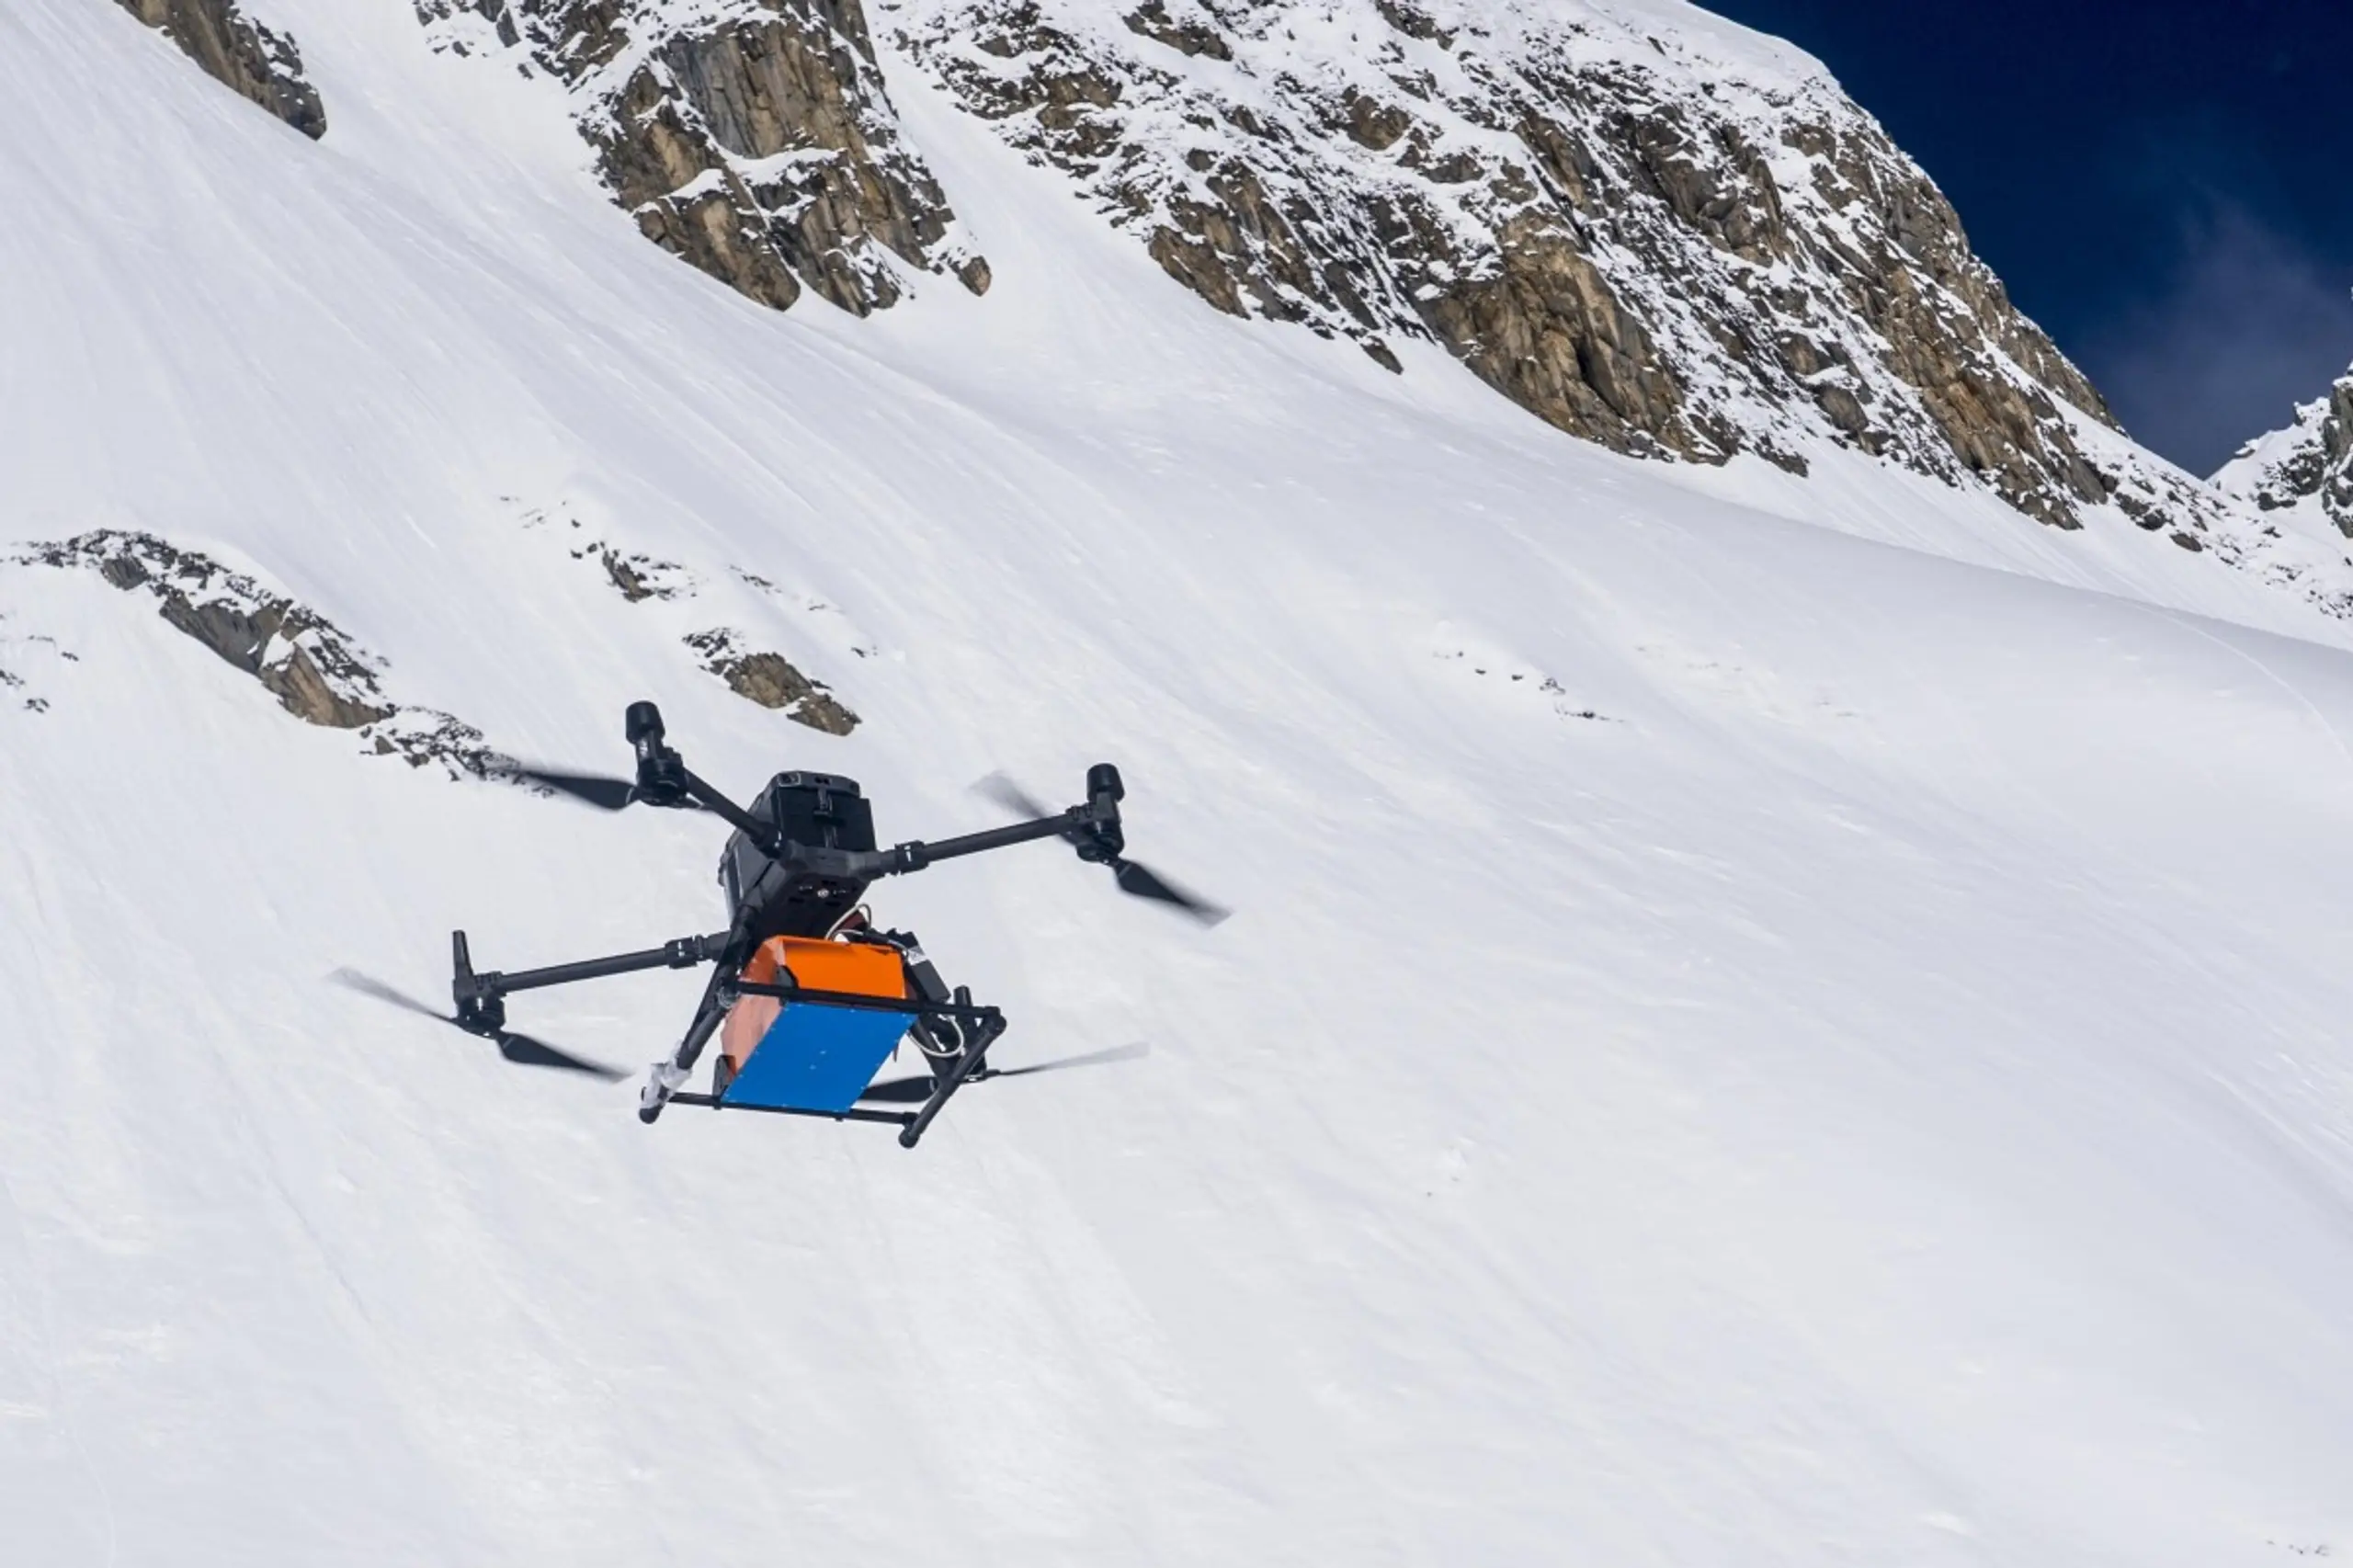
(2166, 186)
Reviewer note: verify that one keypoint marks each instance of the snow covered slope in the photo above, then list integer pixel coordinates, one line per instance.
(1769, 1020)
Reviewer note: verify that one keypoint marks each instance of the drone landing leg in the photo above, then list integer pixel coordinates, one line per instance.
(670, 1076)
(966, 1065)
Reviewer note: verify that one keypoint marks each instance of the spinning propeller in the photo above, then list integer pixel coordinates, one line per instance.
(601, 790)
(520, 1049)
(914, 1091)
(1103, 844)
(661, 776)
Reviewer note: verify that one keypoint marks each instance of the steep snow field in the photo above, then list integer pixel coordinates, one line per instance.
(1879, 1092)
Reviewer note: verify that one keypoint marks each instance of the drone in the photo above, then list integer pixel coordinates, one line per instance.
(807, 997)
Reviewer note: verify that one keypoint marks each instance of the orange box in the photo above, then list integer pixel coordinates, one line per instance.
(860, 969)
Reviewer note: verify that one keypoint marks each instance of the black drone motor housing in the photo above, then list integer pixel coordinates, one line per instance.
(661, 772)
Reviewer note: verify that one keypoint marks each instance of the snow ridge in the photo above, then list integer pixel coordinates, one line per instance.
(2306, 467)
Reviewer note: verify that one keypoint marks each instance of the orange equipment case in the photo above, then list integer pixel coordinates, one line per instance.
(856, 968)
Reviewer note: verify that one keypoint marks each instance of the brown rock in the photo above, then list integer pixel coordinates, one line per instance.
(240, 54)
(755, 143)
(770, 680)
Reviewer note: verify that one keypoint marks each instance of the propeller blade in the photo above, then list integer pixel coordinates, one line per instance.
(530, 1053)
(604, 793)
(1012, 796)
(915, 1091)
(521, 1048)
(1092, 1059)
(899, 1091)
(368, 985)
(1144, 883)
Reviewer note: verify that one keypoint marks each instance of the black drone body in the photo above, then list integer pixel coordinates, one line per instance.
(805, 892)
(795, 873)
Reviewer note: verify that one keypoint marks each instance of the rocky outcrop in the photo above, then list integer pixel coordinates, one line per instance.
(690, 602)
(314, 671)
(752, 138)
(770, 680)
(1686, 244)
(312, 668)
(2308, 467)
(243, 55)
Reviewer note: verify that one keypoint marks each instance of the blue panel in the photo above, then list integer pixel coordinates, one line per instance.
(817, 1058)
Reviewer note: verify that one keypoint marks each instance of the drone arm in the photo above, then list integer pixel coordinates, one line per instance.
(735, 816)
(916, 855)
(470, 988)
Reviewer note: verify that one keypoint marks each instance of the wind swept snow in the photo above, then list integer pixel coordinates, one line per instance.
(1879, 1091)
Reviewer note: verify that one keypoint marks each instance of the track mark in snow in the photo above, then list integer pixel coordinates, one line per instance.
(2274, 676)
(1009, 1419)
(56, 1409)
(1758, 691)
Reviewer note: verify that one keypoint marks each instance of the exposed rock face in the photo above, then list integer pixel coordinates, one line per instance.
(1688, 244)
(2306, 467)
(240, 53)
(305, 663)
(772, 682)
(753, 138)
(317, 672)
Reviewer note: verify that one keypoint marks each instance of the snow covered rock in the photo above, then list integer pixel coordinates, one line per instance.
(243, 55)
(753, 138)
(2308, 467)
(317, 672)
(1651, 228)
(772, 681)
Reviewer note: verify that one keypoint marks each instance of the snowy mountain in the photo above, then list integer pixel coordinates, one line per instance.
(1771, 1018)
(2305, 469)
(1648, 227)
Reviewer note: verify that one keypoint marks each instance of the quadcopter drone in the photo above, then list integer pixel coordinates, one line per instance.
(807, 997)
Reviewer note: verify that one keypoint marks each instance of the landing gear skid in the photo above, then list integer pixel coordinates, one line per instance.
(969, 1068)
